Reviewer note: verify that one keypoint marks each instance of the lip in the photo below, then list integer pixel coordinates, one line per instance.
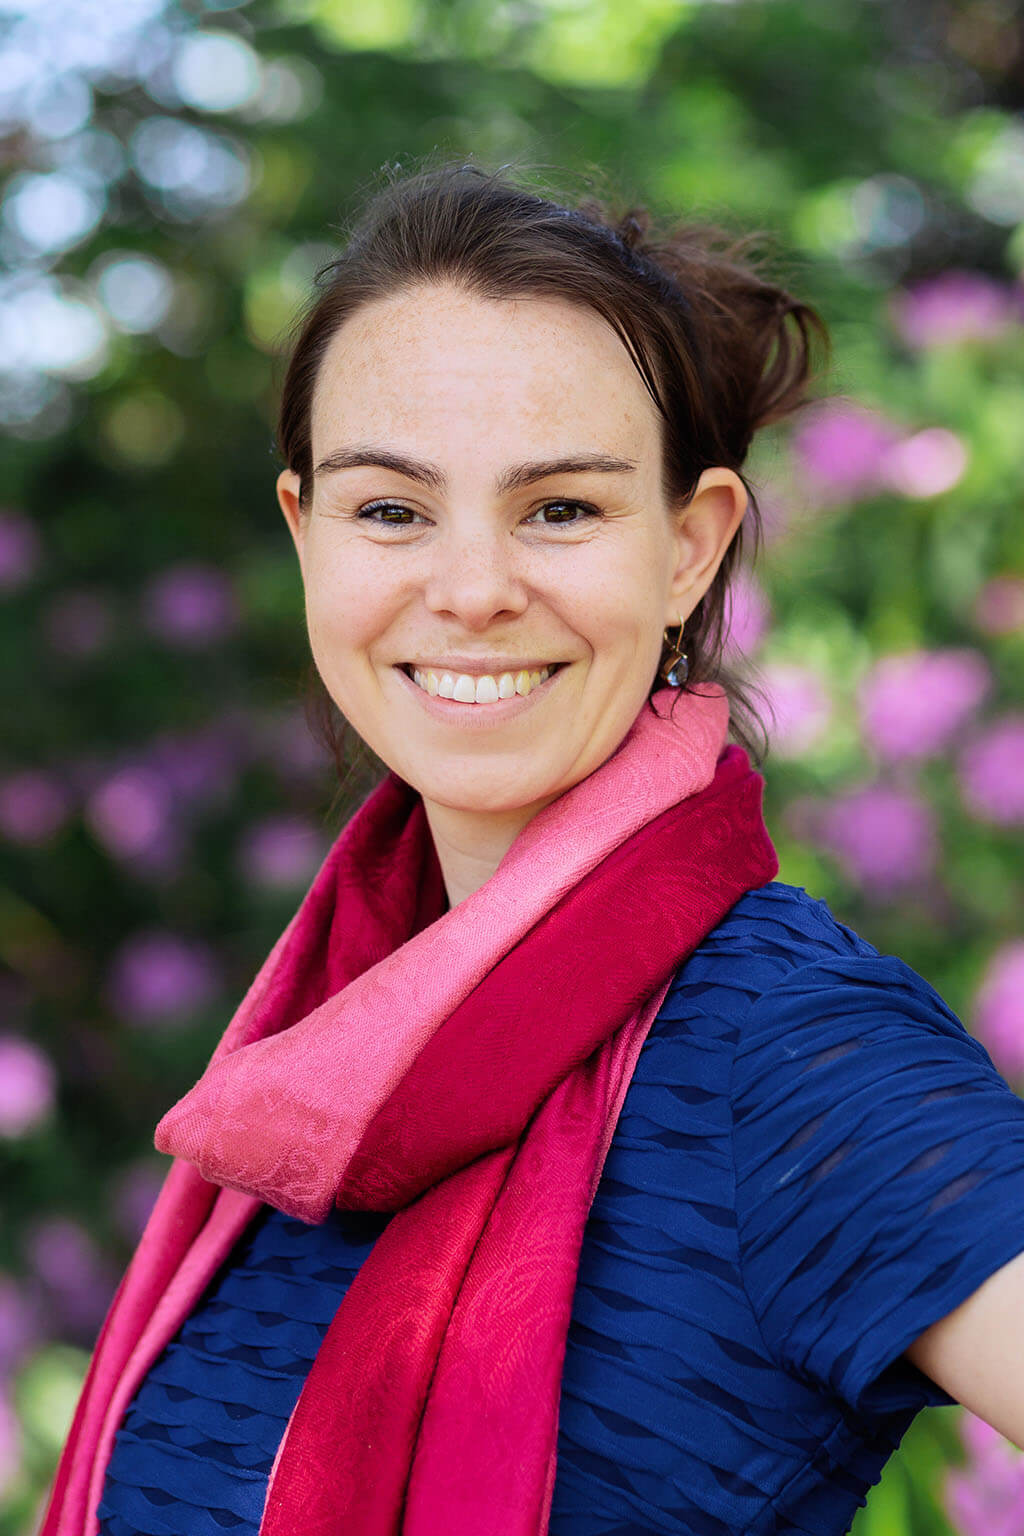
(481, 666)
(478, 716)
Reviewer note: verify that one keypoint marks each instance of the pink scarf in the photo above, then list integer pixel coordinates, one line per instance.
(464, 1069)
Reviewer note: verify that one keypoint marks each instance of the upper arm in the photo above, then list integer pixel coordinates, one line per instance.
(976, 1352)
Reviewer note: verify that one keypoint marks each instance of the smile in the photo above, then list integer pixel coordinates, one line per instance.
(476, 711)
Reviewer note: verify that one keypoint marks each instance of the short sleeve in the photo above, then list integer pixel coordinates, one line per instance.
(879, 1160)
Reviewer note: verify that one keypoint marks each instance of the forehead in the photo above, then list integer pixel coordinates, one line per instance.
(435, 358)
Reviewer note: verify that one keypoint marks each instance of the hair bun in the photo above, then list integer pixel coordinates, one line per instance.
(633, 227)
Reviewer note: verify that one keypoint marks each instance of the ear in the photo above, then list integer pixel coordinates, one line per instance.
(705, 528)
(288, 499)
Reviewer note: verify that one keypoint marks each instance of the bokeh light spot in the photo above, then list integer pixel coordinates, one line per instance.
(216, 72)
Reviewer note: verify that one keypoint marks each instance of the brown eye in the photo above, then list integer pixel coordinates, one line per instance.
(387, 506)
(580, 506)
(369, 513)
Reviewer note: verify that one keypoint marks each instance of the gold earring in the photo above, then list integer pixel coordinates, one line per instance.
(676, 668)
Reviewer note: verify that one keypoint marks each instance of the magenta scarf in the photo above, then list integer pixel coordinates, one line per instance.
(464, 1069)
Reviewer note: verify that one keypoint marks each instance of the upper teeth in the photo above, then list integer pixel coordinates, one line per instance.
(479, 690)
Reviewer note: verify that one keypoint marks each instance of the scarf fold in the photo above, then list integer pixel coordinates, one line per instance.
(465, 1070)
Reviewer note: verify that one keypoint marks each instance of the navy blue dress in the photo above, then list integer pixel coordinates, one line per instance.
(814, 1161)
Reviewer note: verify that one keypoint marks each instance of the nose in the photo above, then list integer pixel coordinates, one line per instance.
(475, 574)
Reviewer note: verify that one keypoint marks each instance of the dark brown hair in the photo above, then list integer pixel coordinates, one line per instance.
(721, 348)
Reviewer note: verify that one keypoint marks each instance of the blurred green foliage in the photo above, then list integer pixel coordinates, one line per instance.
(872, 144)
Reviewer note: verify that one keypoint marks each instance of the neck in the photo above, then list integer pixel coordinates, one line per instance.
(471, 844)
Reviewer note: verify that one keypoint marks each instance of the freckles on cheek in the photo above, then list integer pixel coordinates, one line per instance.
(343, 620)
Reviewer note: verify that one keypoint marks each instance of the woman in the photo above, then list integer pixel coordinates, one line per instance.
(562, 1170)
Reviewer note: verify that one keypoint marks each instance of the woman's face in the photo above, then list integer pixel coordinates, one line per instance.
(479, 555)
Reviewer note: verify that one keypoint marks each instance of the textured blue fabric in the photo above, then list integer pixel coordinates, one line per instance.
(814, 1161)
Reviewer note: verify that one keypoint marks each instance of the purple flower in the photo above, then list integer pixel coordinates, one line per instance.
(281, 852)
(80, 1282)
(841, 446)
(747, 613)
(999, 606)
(882, 836)
(20, 550)
(10, 1443)
(190, 605)
(129, 812)
(79, 623)
(160, 979)
(88, 1053)
(952, 307)
(998, 1011)
(800, 704)
(284, 739)
(21, 1324)
(28, 1086)
(990, 774)
(199, 768)
(912, 704)
(776, 516)
(34, 805)
(134, 1196)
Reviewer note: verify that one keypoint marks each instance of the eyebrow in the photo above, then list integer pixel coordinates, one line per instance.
(513, 478)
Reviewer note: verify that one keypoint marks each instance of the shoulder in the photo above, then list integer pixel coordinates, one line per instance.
(764, 938)
(840, 1032)
(782, 977)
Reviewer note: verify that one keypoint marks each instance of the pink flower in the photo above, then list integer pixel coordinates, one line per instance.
(985, 1497)
(747, 613)
(800, 704)
(841, 446)
(986, 1503)
(925, 464)
(776, 516)
(982, 1441)
(28, 1086)
(883, 837)
(990, 773)
(954, 306)
(913, 703)
(10, 1443)
(999, 606)
(998, 1013)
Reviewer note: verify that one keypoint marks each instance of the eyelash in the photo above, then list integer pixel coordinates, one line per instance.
(584, 507)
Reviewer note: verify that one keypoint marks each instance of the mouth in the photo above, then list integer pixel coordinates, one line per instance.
(553, 667)
(469, 712)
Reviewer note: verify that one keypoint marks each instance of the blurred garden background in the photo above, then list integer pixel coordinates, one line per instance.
(173, 174)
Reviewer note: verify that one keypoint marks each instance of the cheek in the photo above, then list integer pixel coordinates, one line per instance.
(619, 608)
(347, 607)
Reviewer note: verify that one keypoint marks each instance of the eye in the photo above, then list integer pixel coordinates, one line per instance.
(580, 506)
(369, 513)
